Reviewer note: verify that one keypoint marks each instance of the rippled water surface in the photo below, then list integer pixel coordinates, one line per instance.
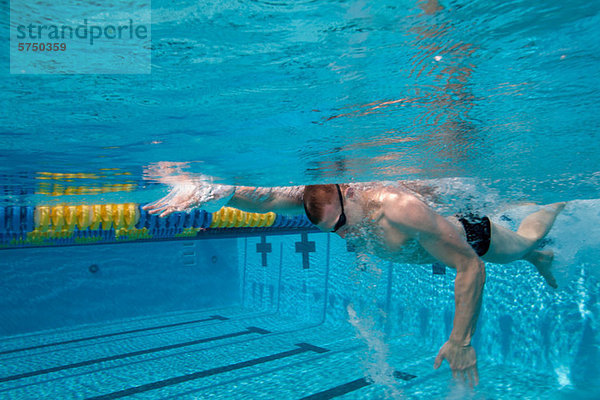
(279, 92)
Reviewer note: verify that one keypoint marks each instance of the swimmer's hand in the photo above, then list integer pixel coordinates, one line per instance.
(189, 193)
(462, 360)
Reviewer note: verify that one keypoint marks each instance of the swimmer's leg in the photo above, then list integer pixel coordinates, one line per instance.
(537, 225)
(507, 246)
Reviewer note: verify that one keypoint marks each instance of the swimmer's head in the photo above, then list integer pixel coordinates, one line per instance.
(324, 206)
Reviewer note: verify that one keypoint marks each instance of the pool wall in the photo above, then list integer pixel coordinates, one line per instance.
(55, 287)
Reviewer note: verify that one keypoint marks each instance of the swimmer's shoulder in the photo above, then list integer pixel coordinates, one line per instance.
(403, 208)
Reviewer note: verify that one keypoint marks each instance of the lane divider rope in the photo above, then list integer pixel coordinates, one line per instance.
(68, 224)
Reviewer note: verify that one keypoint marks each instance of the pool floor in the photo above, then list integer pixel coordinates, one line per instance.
(233, 353)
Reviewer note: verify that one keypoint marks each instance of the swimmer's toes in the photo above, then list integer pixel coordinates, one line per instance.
(551, 280)
(548, 276)
(543, 263)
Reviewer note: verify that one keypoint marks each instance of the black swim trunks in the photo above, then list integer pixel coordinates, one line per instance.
(478, 230)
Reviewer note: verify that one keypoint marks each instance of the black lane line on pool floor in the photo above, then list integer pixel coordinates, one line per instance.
(248, 330)
(302, 348)
(212, 318)
(351, 387)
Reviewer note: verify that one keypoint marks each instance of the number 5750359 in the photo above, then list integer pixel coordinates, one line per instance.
(25, 46)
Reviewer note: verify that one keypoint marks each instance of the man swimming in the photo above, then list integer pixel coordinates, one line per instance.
(395, 223)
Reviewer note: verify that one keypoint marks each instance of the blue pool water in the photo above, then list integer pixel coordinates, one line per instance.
(494, 102)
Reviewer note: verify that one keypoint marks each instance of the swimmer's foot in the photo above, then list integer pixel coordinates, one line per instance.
(542, 259)
(558, 207)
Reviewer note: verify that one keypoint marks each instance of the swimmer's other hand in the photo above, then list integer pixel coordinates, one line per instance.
(187, 194)
(462, 360)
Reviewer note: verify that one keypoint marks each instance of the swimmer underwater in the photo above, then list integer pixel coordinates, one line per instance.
(395, 223)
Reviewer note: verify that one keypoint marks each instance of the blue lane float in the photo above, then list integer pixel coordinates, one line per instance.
(27, 226)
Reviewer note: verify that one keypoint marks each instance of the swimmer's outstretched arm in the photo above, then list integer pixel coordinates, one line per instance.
(187, 194)
(286, 199)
